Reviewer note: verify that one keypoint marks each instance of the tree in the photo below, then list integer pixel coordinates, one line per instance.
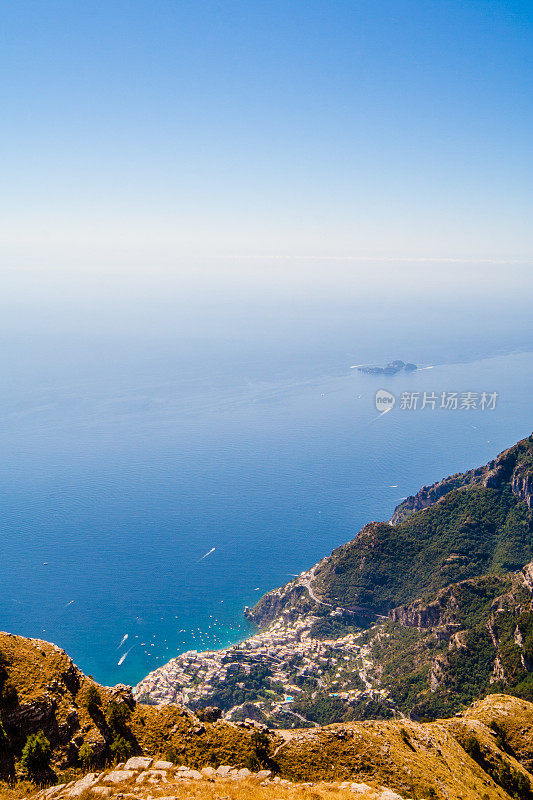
(117, 715)
(121, 749)
(85, 755)
(36, 753)
(4, 741)
(92, 697)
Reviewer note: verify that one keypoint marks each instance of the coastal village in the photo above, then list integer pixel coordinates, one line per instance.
(299, 666)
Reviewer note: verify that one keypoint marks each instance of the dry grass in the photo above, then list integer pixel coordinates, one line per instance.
(246, 790)
(204, 790)
(16, 791)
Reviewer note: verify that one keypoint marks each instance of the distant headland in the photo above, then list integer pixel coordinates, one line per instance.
(391, 369)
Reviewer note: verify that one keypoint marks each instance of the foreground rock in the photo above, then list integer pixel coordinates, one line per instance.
(142, 774)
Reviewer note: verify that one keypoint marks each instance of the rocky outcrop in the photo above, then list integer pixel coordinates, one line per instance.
(440, 612)
(290, 602)
(522, 484)
(47, 692)
(373, 760)
(427, 496)
(143, 773)
(42, 690)
(382, 759)
(310, 591)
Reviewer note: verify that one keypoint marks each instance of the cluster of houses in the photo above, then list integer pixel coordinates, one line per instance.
(292, 655)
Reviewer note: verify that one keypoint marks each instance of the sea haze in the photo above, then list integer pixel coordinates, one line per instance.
(138, 434)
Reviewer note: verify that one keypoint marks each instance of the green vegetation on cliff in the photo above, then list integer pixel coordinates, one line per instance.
(470, 532)
(462, 527)
(447, 574)
(473, 638)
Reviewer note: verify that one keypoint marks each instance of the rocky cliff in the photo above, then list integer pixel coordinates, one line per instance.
(514, 466)
(42, 690)
(482, 754)
(471, 638)
(419, 618)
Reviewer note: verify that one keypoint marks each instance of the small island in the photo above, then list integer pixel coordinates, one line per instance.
(391, 369)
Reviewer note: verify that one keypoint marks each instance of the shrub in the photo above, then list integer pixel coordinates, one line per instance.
(499, 733)
(117, 715)
(260, 758)
(121, 749)
(86, 755)
(406, 738)
(92, 697)
(209, 714)
(36, 753)
(473, 749)
(3, 665)
(172, 754)
(513, 782)
(4, 741)
(8, 694)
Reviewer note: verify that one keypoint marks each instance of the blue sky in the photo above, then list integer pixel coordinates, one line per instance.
(361, 129)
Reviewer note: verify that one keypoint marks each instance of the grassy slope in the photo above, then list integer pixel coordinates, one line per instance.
(459, 553)
(473, 638)
(475, 524)
(417, 760)
(41, 689)
(482, 754)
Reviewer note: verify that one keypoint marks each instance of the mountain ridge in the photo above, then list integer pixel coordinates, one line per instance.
(483, 752)
(511, 463)
(408, 655)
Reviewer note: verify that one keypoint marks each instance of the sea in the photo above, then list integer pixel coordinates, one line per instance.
(169, 454)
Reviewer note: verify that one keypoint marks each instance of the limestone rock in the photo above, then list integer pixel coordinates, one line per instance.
(119, 775)
(208, 772)
(244, 772)
(83, 784)
(190, 774)
(224, 770)
(138, 762)
(46, 793)
(152, 776)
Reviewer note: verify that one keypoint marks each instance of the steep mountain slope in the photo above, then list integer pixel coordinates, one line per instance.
(513, 466)
(419, 618)
(465, 526)
(474, 637)
(426, 659)
(410, 621)
(475, 756)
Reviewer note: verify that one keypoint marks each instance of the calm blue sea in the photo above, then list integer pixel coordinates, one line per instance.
(137, 435)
